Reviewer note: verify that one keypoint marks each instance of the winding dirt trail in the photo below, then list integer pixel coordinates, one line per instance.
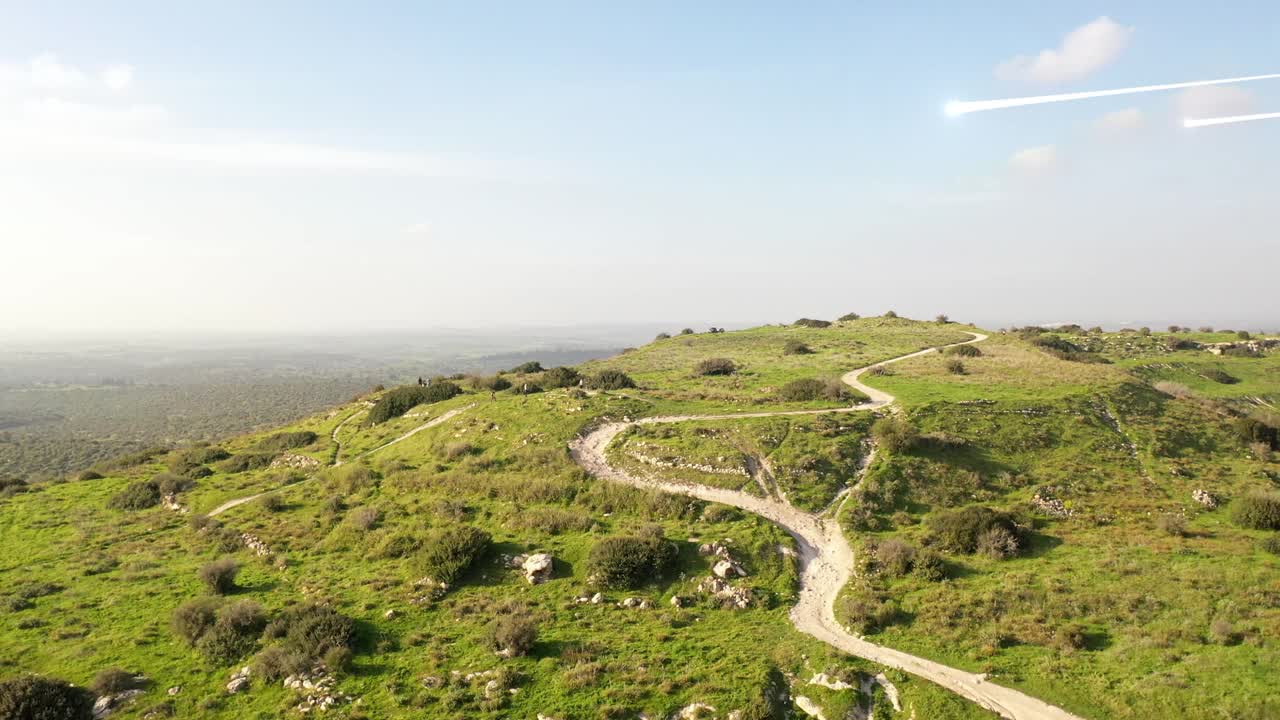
(826, 558)
(338, 461)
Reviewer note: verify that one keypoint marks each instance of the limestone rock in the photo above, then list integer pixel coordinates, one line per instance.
(537, 568)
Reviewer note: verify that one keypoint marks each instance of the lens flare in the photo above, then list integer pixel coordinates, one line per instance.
(1206, 122)
(959, 107)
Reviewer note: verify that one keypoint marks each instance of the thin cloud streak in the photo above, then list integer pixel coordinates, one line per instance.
(957, 107)
(1206, 122)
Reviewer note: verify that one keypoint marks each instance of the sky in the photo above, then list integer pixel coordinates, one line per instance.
(302, 167)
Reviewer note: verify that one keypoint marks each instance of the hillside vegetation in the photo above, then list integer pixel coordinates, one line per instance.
(1091, 524)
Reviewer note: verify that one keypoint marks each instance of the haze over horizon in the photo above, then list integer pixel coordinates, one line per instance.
(273, 170)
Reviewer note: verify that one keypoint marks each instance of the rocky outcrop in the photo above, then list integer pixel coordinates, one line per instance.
(255, 544)
(726, 568)
(1049, 504)
(107, 704)
(694, 711)
(728, 595)
(239, 681)
(295, 462)
(537, 567)
(1205, 498)
(635, 603)
(318, 690)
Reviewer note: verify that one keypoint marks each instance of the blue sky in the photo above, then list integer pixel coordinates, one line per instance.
(299, 166)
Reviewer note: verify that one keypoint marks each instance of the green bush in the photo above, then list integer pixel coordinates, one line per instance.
(112, 681)
(1259, 510)
(1272, 544)
(398, 401)
(201, 455)
(223, 644)
(849, 316)
(894, 434)
(533, 366)
(271, 502)
(630, 561)
(193, 619)
(491, 383)
(29, 697)
(219, 576)
(811, 323)
(1220, 376)
(89, 475)
(807, 389)
(512, 635)
(282, 441)
(890, 314)
(955, 367)
(170, 484)
(965, 351)
(662, 336)
(610, 380)
(446, 554)
(895, 557)
(246, 461)
(138, 495)
(559, 377)
(969, 530)
(398, 545)
(929, 565)
(715, 366)
(795, 347)
(1253, 430)
(312, 630)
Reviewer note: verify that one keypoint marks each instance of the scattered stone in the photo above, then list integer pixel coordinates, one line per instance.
(826, 681)
(390, 614)
(677, 601)
(537, 568)
(1205, 498)
(727, 568)
(175, 689)
(727, 594)
(693, 711)
(255, 544)
(1045, 500)
(295, 461)
(170, 502)
(597, 598)
(810, 708)
(636, 603)
(107, 704)
(239, 681)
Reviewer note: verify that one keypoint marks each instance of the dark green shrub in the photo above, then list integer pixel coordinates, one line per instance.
(29, 697)
(807, 389)
(795, 347)
(275, 663)
(193, 619)
(890, 314)
(1220, 376)
(282, 441)
(1272, 544)
(112, 681)
(849, 316)
(630, 561)
(138, 495)
(942, 319)
(965, 351)
(687, 331)
(312, 630)
(895, 557)
(894, 434)
(512, 635)
(223, 644)
(271, 502)
(998, 543)
(533, 366)
(170, 484)
(929, 565)
(201, 455)
(398, 401)
(492, 383)
(1253, 430)
(715, 366)
(662, 336)
(610, 380)
(867, 613)
(398, 545)
(10, 486)
(446, 554)
(559, 377)
(1259, 510)
(15, 603)
(1174, 525)
(811, 323)
(968, 529)
(186, 468)
(246, 461)
(1243, 335)
(89, 475)
(955, 367)
(219, 576)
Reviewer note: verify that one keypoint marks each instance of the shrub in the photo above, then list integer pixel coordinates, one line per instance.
(865, 613)
(955, 367)
(1174, 525)
(170, 484)
(136, 496)
(223, 644)
(364, 518)
(890, 314)
(662, 336)
(397, 545)
(929, 565)
(89, 475)
(275, 663)
(942, 319)
(282, 441)
(193, 619)
(1070, 636)
(1222, 632)
(271, 502)
(1220, 376)
(30, 697)
(1253, 430)
(533, 366)
(894, 434)
(795, 347)
(15, 603)
(459, 449)
(1272, 544)
(998, 543)
(965, 351)
(967, 529)
(687, 331)
(559, 377)
(715, 366)
(807, 389)
(492, 383)
(896, 557)
(312, 630)
(811, 323)
(244, 616)
(201, 455)
(1258, 510)
(446, 554)
(398, 401)
(1243, 335)
(630, 561)
(246, 461)
(512, 635)
(112, 681)
(849, 316)
(10, 486)
(219, 576)
(610, 380)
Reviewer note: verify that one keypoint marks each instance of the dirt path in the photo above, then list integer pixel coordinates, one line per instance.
(826, 558)
(336, 461)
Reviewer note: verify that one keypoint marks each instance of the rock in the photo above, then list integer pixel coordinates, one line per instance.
(537, 568)
(390, 614)
(1205, 498)
(597, 598)
(237, 684)
(826, 681)
(635, 603)
(727, 568)
(491, 689)
(175, 690)
(693, 711)
(677, 601)
(293, 460)
(810, 708)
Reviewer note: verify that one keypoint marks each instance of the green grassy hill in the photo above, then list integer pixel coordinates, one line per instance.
(1096, 581)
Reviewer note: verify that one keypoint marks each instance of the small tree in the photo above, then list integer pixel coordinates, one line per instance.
(219, 576)
(942, 319)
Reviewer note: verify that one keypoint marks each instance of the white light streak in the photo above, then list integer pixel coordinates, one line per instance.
(1206, 122)
(959, 107)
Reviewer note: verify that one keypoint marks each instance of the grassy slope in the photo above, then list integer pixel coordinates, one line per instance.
(500, 465)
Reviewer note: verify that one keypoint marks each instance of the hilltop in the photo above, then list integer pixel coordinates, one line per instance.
(864, 516)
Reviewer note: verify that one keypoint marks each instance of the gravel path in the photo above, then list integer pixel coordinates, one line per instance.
(826, 558)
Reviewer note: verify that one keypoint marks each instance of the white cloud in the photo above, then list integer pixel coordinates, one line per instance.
(46, 72)
(1084, 51)
(1035, 160)
(1214, 101)
(418, 229)
(1121, 121)
(118, 77)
